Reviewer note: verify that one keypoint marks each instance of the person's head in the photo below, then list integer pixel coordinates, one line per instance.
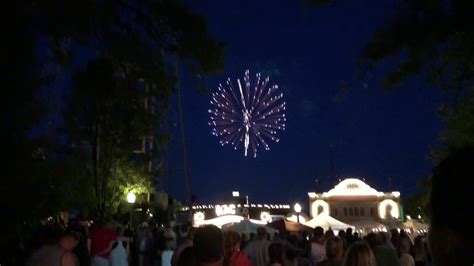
(359, 254)
(334, 248)
(349, 231)
(329, 234)
(252, 236)
(403, 234)
(394, 233)
(68, 240)
(386, 236)
(261, 233)
(341, 234)
(232, 242)
(318, 232)
(374, 240)
(209, 244)
(450, 230)
(276, 253)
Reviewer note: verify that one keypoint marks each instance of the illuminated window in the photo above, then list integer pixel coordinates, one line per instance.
(345, 211)
(320, 209)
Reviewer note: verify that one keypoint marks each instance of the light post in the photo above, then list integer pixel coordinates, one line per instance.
(297, 209)
(131, 198)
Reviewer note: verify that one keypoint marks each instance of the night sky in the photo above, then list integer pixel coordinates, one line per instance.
(375, 133)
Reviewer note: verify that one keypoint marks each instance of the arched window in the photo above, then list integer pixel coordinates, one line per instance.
(388, 211)
(320, 209)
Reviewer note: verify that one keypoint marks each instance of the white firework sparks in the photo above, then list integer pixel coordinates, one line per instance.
(248, 115)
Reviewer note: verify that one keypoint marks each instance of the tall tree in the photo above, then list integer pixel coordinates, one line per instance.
(122, 94)
(131, 39)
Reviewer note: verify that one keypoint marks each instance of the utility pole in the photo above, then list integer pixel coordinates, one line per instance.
(183, 138)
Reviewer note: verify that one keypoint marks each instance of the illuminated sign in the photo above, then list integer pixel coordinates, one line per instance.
(225, 209)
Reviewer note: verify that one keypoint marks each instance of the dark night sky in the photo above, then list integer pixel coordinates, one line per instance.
(376, 133)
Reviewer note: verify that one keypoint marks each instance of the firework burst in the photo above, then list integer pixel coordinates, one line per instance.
(247, 115)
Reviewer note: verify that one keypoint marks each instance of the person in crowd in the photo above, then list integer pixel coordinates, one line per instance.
(167, 254)
(120, 249)
(187, 257)
(276, 253)
(59, 254)
(349, 237)
(257, 250)
(143, 242)
(387, 240)
(233, 255)
(334, 252)
(342, 235)
(357, 237)
(80, 250)
(359, 254)
(292, 250)
(252, 236)
(102, 240)
(188, 242)
(395, 237)
(450, 235)
(329, 234)
(208, 246)
(317, 248)
(383, 255)
(419, 251)
(404, 235)
(170, 237)
(403, 250)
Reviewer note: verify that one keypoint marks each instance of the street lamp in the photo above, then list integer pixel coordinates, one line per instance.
(131, 198)
(297, 209)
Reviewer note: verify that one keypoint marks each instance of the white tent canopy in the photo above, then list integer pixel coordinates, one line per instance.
(247, 227)
(326, 222)
(221, 220)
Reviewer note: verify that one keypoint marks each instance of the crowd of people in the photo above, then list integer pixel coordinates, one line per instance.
(447, 244)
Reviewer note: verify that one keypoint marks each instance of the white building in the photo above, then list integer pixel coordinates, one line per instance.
(354, 202)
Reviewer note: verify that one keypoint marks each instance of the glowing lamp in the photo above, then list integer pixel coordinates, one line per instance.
(235, 194)
(131, 197)
(297, 208)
